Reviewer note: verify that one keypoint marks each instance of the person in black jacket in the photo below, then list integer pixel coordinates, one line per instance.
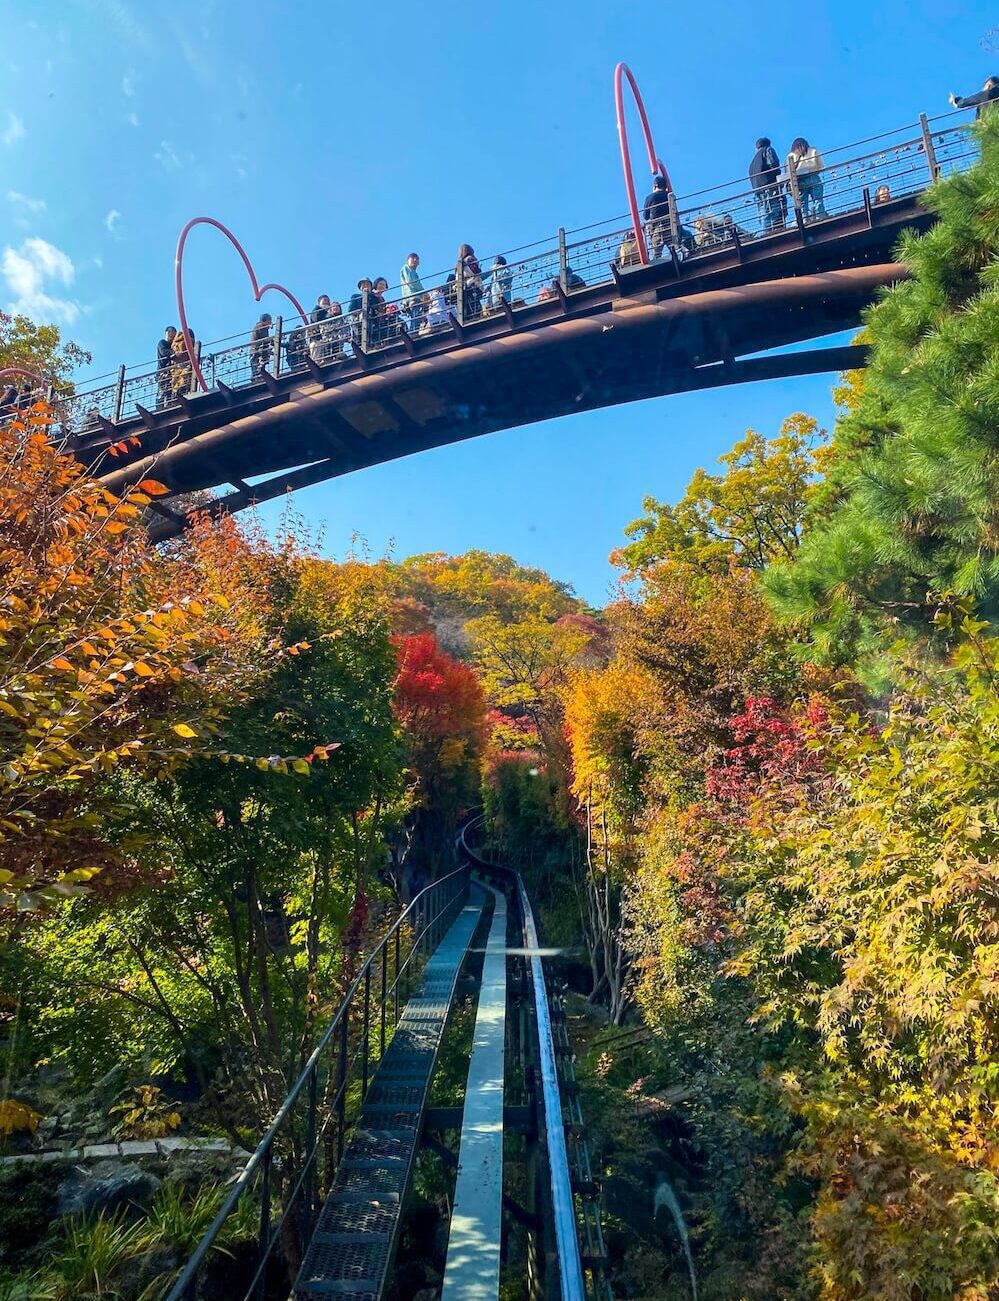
(164, 360)
(318, 349)
(656, 216)
(979, 101)
(260, 345)
(763, 173)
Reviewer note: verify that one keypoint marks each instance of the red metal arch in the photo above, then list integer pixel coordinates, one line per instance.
(258, 290)
(656, 164)
(19, 370)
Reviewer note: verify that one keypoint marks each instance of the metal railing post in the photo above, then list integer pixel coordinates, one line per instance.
(194, 379)
(792, 177)
(395, 983)
(676, 236)
(384, 988)
(264, 1236)
(367, 1032)
(459, 292)
(928, 149)
(341, 1106)
(365, 320)
(311, 1155)
(278, 327)
(119, 394)
(563, 261)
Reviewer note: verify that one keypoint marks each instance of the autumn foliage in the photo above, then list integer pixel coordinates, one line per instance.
(112, 656)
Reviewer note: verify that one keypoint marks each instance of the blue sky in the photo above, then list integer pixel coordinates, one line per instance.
(335, 138)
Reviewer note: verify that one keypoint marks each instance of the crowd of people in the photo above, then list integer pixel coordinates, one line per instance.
(371, 319)
(799, 179)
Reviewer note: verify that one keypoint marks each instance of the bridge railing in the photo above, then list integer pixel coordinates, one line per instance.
(876, 171)
(297, 1158)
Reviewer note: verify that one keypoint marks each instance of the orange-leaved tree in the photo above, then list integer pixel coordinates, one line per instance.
(111, 654)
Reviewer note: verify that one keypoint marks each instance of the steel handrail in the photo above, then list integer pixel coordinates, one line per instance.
(262, 1151)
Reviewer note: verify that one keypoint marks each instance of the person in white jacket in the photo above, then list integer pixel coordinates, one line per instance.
(807, 164)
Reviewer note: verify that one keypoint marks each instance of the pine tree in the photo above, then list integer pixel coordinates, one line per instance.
(910, 506)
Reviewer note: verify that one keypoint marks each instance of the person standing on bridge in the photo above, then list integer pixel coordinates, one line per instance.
(181, 371)
(337, 333)
(359, 308)
(657, 217)
(979, 101)
(468, 274)
(261, 347)
(318, 346)
(164, 360)
(412, 292)
(806, 163)
(500, 283)
(763, 173)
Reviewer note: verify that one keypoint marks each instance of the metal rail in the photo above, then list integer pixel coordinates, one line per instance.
(572, 1286)
(875, 172)
(299, 1154)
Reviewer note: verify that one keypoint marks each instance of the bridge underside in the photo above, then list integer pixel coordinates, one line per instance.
(657, 330)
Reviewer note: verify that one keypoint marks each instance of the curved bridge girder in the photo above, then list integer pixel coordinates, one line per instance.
(659, 329)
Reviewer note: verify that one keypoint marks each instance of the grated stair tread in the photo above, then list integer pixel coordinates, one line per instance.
(350, 1251)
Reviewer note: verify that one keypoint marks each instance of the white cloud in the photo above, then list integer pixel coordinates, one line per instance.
(111, 222)
(133, 119)
(28, 272)
(128, 84)
(24, 202)
(167, 157)
(15, 130)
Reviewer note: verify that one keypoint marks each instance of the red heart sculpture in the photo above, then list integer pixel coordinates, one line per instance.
(258, 290)
(9, 371)
(656, 164)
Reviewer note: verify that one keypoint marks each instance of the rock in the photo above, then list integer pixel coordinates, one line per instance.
(169, 1145)
(98, 1151)
(110, 1085)
(105, 1187)
(135, 1147)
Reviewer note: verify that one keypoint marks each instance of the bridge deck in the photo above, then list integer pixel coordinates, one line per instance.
(351, 1249)
(472, 1272)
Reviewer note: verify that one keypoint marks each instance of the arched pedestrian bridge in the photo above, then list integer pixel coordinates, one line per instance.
(582, 325)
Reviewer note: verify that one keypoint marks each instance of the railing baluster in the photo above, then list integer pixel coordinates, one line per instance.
(792, 176)
(311, 1156)
(367, 1032)
(381, 1052)
(928, 149)
(341, 1106)
(119, 394)
(563, 261)
(264, 1238)
(395, 983)
(278, 330)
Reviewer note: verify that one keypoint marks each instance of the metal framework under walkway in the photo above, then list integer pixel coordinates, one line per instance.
(351, 1250)
(472, 1272)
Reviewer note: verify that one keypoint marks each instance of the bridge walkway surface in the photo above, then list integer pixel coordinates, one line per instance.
(351, 1250)
(472, 1271)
